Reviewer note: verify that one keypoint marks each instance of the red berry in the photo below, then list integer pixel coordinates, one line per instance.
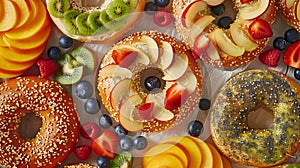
(176, 95)
(90, 131)
(47, 67)
(106, 144)
(83, 152)
(292, 55)
(146, 111)
(162, 18)
(245, 1)
(270, 57)
(260, 29)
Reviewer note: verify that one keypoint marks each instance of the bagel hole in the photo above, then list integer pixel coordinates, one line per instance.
(262, 118)
(229, 11)
(29, 126)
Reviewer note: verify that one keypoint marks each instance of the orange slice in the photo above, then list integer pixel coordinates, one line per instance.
(207, 158)
(10, 17)
(217, 159)
(9, 75)
(7, 66)
(24, 12)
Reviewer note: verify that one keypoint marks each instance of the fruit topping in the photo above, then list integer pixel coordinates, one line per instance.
(153, 50)
(270, 57)
(92, 106)
(253, 10)
(279, 43)
(84, 89)
(245, 1)
(65, 42)
(106, 144)
(162, 18)
(166, 55)
(123, 57)
(117, 9)
(162, 3)
(260, 29)
(291, 35)
(195, 128)
(131, 3)
(113, 70)
(218, 10)
(120, 131)
(140, 142)
(146, 111)
(94, 22)
(90, 130)
(204, 104)
(109, 23)
(150, 8)
(201, 43)
(70, 21)
(54, 53)
(105, 121)
(177, 68)
(192, 11)
(292, 55)
(103, 162)
(120, 92)
(200, 24)
(124, 160)
(83, 152)
(176, 95)
(297, 74)
(224, 22)
(57, 8)
(152, 83)
(47, 67)
(84, 57)
(125, 143)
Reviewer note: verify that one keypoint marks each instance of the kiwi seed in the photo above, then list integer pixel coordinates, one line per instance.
(117, 9)
(70, 21)
(57, 8)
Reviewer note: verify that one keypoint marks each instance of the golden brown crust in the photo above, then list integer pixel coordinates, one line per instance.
(80, 165)
(184, 110)
(289, 13)
(59, 130)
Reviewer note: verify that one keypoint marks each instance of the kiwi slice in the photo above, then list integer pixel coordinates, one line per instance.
(117, 9)
(94, 22)
(82, 25)
(111, 24)
(70, 21)
(131, 3)
(124, 160)
(57, 8)
(84, 57)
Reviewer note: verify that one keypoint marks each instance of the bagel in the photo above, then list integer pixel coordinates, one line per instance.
(96, 36)
(290, 11)
(80, 165)
(249, 91)
(149, 56)
(59, 129)
(219, 47)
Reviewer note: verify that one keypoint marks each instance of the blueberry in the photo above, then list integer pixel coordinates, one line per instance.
(105, 121)
(218, 10)
(195, 128)
(162, 3)
(297, 74)
(225, 22)
(125, 143)
(102, 162)
(204, 104)
(120, 131)
(152, 83)
(92, 106)
(65, 42)
(279, 43)
(84, 89)
(291, 35)
(150, 8)
(54, 53)
(140, 142)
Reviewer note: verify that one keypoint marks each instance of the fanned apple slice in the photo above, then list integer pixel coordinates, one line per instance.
(159, 112)
(152, 47)
(142, 56)
(126, 111)
(240, 38)
(253, 10)
(177, 68)
(121, 91)
(191, 11)
(200, 25)
(212, 52)
(189, 81)
(114, 70)
(166, 56)
(226, 45)
(214, 2)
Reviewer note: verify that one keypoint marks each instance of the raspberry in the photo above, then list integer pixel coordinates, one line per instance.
(90, 131)
(47, 67)
(83, 152)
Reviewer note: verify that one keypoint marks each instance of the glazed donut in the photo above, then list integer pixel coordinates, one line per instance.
(290, 11)
(103, 33)
(58, 133)
(249, 91)
(149, 82)
(219, 47)
(80, 165)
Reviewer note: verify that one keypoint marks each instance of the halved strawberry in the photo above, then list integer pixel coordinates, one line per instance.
(106, 144)
(146, 111)
(245, 1)
(260, 29)
(291, 55)
(176, 95)
(124, 57)
(270, 57)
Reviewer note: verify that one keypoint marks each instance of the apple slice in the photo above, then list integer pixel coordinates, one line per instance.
(188, 81)
(24, 12)
(201, 43)
(142, 56)
(114, 70)
(290, 3)
(217, 159)
(120, 92)
(297, 10)
(177, 68)
(207, 157)
(152, 47)
(240, 38)
(253, 10)
(159, 112)
(226, 45)
(126, 111)
(214, 2)
(198, 27)
(212, 52)
(164, 160)
(191, 11)
(166, 56)
(10, 16)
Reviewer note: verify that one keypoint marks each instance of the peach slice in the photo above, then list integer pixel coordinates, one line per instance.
(290, 3)
(164, 161)
(155, 151)
(10, 17)
(191, 11)
(226, 162)
(240, 38)
(218, 162)
(9, 75)
(188, 81)
(159, 112)
(1, 9)
(189, 145)
(253, 10)
(142, 56)
(177, 68)
(126, 111)
(214, 2)
(2, 43)
(119, 92)
(207, 157)
(166, 56)
(152, 48)
(114, 70)
(24, 12)
(297, 10)
(200, 25)
(14, 67)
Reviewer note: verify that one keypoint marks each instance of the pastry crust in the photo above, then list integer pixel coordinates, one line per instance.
(289, 13)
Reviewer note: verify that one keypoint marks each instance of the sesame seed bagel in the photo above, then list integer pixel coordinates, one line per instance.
(245, 93)
(80, 165)
(220, 47)
(122, 85)
(103, 34)
(58, 133)
(289, 10)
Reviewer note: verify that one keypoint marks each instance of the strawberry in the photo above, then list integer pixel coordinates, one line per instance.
(291, 55)
(270, 57)
(47, 67)
(146, 111)
(90, 130)
(83, 152)
(260, 29)
(106, 144)
(245, 1)
(176, 95)
(162, 18)
(124, 57)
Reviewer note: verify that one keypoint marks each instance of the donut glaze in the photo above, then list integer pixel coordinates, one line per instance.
(289, 12)
(58, 133)
(247, 92)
